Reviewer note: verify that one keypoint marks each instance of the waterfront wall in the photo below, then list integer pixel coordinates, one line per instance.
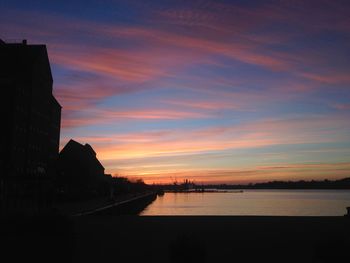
(133, 206)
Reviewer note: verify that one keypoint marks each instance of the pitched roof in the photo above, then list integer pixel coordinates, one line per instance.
(81, 150)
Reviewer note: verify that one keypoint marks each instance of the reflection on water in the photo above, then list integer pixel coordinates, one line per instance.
(253, 202)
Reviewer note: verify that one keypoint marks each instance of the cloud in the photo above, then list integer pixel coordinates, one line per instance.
(133, 57)
(103, 116)
(230, 57)
(262, 133)
(123, 65)
(203, 104)
(329, 77)
(342, 106)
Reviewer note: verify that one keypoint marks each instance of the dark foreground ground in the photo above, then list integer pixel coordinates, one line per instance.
(175, 239)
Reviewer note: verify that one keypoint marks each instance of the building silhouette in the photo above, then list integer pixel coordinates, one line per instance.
(31, 117)
(80, 174)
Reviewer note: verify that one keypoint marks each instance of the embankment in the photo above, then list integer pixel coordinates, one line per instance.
(132, 206)
(128, 204)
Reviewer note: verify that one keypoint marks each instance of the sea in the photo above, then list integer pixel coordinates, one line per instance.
(252, 203)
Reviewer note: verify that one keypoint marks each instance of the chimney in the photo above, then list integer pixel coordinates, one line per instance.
(24, 42)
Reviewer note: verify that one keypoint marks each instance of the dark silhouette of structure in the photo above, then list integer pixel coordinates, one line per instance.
(348, 212)
(31, 117)
(321, 184)
(80, 173)
(313, 184)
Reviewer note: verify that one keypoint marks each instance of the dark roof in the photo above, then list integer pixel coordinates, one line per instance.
(90, 149)
(83, 150)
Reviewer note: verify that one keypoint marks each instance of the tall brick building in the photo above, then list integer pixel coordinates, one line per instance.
(30, 123)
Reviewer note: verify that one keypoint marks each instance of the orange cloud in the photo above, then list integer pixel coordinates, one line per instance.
(247, 135)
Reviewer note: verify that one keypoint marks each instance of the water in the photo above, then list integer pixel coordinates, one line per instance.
(253, 202)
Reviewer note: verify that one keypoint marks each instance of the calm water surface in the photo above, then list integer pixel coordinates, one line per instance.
(253, 202)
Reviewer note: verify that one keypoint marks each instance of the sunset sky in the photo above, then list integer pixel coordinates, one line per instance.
(213, 91)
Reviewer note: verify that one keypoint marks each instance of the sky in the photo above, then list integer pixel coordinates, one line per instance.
(211, 91)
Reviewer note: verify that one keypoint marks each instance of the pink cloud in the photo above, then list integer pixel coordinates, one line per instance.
(319, 129)
(203, 104)
(342, 106)
(103, 116)
(78, 97)
(134, 64)
(329, 77)
(164, 52)
(162, 114)
(129, 66)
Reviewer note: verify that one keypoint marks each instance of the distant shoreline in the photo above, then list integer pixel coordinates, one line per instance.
(341, 184)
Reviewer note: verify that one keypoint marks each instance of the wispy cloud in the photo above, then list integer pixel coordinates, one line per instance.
(320, 129)
(204, 104)
(94, 117)
(227, 76)
(342, 106)
(329, 77)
